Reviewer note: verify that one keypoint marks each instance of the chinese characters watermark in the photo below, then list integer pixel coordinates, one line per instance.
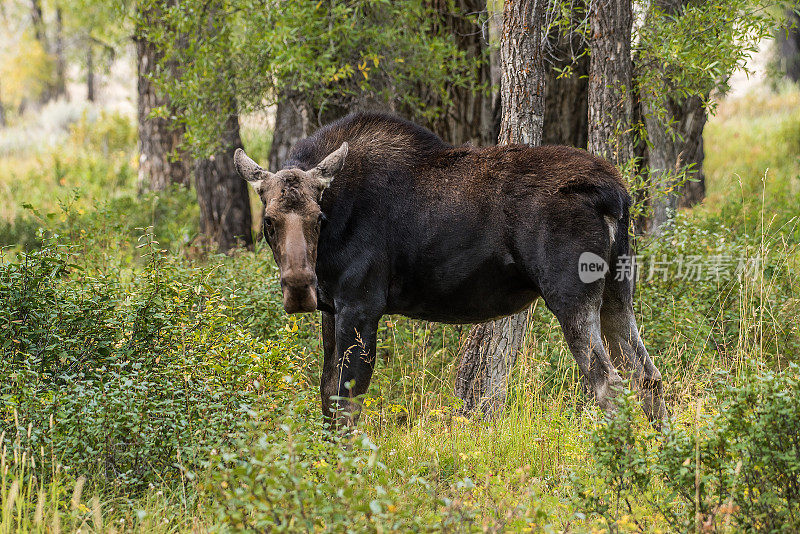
(690, 268)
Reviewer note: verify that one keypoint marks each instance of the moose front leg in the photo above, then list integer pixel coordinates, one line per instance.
(329, 381)
(347, 369)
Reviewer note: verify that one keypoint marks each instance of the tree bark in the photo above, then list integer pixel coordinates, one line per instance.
(222, 194)
(160, 162)
(60, 85)
(89, 71)
(674, 146)
(292, 123)
(566, 109)
(675, 131)
(491, 348)
(788, 42)
(470, 118)
(610, 132)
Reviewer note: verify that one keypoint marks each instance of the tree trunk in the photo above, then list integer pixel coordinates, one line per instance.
(296, 118)
(566, 108)
(491, 348)
(470, 117)
(610, 81)
(222, 194)
(60, 85)
(675, 146)
(675, 131)
(788, 42)
(37, 20)
(292, 123)
(89, 70)
(51, 89)
(160, 163)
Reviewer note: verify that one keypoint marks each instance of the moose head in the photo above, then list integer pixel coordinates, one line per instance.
(292, 221)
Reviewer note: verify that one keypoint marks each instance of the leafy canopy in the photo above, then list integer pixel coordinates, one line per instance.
(337, 55)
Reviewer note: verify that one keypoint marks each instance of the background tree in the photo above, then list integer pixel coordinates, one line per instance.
(788, 40)
(467, 114)
(611, 81)
(352, 55)
(675, 133)
(160, 135)
(356, 55)
(491, 348)
(222, 195)
(566, 109)
(459, 110)
(685, 52)
(54, 48)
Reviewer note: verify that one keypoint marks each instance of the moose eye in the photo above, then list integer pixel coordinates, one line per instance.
(269, 225)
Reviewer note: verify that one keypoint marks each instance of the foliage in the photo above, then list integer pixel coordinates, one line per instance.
(301, 479)
(138, 373)
(694, 51)
(26, 71)
(336, 54)
(738, 465)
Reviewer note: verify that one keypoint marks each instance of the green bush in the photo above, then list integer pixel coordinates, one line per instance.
(301, 478)
(737, 466)
(109, 132)
(129, 375)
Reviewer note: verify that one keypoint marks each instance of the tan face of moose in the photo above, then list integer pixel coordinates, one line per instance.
(292, 220)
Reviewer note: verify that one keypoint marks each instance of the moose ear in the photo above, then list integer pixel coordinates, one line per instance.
(250, 170)
(328, 167)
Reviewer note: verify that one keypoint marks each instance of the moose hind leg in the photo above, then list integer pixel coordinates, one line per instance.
(582, 330)
(628, 352)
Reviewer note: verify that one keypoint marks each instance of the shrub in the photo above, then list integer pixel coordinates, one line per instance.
(737, 466)
(301, 478)
(139, 373)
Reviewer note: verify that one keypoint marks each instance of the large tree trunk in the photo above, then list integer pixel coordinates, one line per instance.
(222, 194)
(470, 118)
(788, 41)
(292, 123)
(675, 146)
(675, 131)
(160, 162)
(491, 348)
(610, 81)
(566, 108)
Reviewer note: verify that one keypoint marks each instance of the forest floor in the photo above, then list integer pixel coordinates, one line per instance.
(155, 387)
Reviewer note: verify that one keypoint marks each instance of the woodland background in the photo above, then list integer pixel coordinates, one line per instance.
(150, 381)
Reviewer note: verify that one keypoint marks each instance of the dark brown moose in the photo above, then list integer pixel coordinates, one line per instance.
(375, 215)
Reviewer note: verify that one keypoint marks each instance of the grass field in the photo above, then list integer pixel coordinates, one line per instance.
(151, 388)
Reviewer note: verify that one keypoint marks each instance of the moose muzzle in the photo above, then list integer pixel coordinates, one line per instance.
(299, 291)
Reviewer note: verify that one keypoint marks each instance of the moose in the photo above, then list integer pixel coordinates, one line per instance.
(374, 215)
